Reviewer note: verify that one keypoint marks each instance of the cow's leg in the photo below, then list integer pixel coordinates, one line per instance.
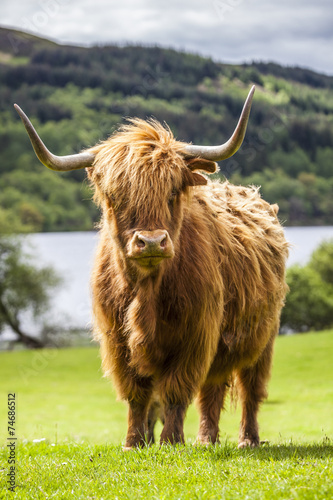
(173, 429)
(251, 385)
(139, 393)
(137, 424)
(131, 387)
(178, 386)
(210, 403)
(176, 391)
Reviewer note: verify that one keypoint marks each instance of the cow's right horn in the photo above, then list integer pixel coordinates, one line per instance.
(224, 151)
(59, 163)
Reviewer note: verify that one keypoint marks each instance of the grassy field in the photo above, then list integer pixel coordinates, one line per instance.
(70, 428)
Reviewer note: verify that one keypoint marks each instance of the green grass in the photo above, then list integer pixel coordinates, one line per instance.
(84, 471)
(63, 399)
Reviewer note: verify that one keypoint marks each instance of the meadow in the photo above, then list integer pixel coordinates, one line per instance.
(70, 429)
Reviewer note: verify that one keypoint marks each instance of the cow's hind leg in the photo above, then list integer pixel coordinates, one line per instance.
(173, 429)
(177, 388)
(210, 403)
(251, 386)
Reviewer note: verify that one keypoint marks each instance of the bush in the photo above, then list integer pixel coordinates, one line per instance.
(322, 261)
(309, 304)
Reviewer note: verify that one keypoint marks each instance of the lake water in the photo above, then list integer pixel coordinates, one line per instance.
(72, 254)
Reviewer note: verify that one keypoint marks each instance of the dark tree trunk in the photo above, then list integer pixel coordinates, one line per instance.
(27, 340)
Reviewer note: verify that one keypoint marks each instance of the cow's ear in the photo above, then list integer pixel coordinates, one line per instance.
(90, 171)
(198, 179)
(200, 164)
(194, 179)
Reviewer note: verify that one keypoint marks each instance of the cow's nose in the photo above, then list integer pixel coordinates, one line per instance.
(150, 246)
(151, 241)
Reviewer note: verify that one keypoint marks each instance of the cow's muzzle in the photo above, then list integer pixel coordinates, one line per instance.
(150, 248)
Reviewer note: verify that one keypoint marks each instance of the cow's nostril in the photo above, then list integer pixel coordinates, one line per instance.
(140, 243)
(163, 242)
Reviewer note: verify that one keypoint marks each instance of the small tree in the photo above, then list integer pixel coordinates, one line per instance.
(23, 288)
(309, 304)
(322, 261)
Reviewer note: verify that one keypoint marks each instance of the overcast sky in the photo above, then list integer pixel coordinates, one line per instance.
(289, 32)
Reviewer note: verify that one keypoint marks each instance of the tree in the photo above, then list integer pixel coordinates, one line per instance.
(322, 261)
(23, 288)
(309, 304)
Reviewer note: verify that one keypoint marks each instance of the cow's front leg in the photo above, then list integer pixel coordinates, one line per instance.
(173, 429)
(131, 387)
(137, 425)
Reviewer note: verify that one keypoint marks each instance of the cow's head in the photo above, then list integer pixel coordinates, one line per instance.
(141, 179)
(142, 176)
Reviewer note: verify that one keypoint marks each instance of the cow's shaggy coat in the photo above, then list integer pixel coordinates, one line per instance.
(185, 325)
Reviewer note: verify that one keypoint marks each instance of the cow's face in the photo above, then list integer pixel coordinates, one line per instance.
(142, 190)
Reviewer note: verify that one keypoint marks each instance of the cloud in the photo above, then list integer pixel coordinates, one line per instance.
(290, 33)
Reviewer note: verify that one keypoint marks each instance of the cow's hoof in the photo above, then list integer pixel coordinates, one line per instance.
(201, 443)
(204, 441)
(248, 443)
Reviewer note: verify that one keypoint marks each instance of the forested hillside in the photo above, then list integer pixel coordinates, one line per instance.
(77, 96)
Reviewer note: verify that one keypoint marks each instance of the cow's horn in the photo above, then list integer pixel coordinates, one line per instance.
(224, 151)
(59, 163)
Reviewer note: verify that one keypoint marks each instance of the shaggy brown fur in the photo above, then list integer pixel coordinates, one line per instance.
(183, 326)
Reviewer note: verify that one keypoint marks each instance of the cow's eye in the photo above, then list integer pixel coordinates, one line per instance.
(112, 200)
(172, 197)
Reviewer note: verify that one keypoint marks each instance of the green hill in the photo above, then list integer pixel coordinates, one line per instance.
(77, 96)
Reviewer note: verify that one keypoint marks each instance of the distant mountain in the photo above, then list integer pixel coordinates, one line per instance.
(77, 96)
(16, 43)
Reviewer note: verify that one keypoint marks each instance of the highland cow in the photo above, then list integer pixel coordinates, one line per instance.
(188, 282)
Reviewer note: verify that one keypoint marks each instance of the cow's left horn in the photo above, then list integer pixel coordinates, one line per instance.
(224, 151)
(59, 163)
